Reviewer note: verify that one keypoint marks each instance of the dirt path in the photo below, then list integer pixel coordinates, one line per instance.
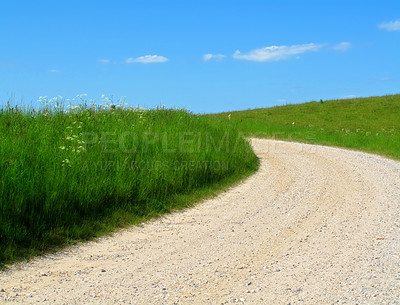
(314, 225)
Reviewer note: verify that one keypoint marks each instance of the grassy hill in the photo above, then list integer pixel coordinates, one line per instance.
(67, 176)
(370, 124)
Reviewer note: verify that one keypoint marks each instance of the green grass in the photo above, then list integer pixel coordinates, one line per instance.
(71, 176)
(369, 124)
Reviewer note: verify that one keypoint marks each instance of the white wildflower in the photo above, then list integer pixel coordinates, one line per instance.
(66, 162)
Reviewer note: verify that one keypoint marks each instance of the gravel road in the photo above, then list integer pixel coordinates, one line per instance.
(314, 225)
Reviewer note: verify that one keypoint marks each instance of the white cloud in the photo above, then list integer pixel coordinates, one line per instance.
(104, 61)
(147, 59)
(217, 57)
(343, 46)
(130, 60)
(390, 26)
(349, 96)
(54, 71)
(275, 53)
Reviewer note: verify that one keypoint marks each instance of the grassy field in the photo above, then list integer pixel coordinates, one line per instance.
(370, 124)
(67, 176)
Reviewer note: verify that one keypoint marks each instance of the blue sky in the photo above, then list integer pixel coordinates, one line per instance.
(206, 56)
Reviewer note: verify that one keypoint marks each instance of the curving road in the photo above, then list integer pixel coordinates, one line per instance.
(314, 225)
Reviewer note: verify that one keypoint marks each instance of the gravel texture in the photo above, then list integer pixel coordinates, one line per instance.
(314, 225)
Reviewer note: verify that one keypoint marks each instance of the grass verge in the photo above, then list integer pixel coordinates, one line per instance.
(369, 124)
(72, 176)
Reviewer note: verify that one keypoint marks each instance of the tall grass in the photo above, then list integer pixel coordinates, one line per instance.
(72, 175)
(370, 124)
